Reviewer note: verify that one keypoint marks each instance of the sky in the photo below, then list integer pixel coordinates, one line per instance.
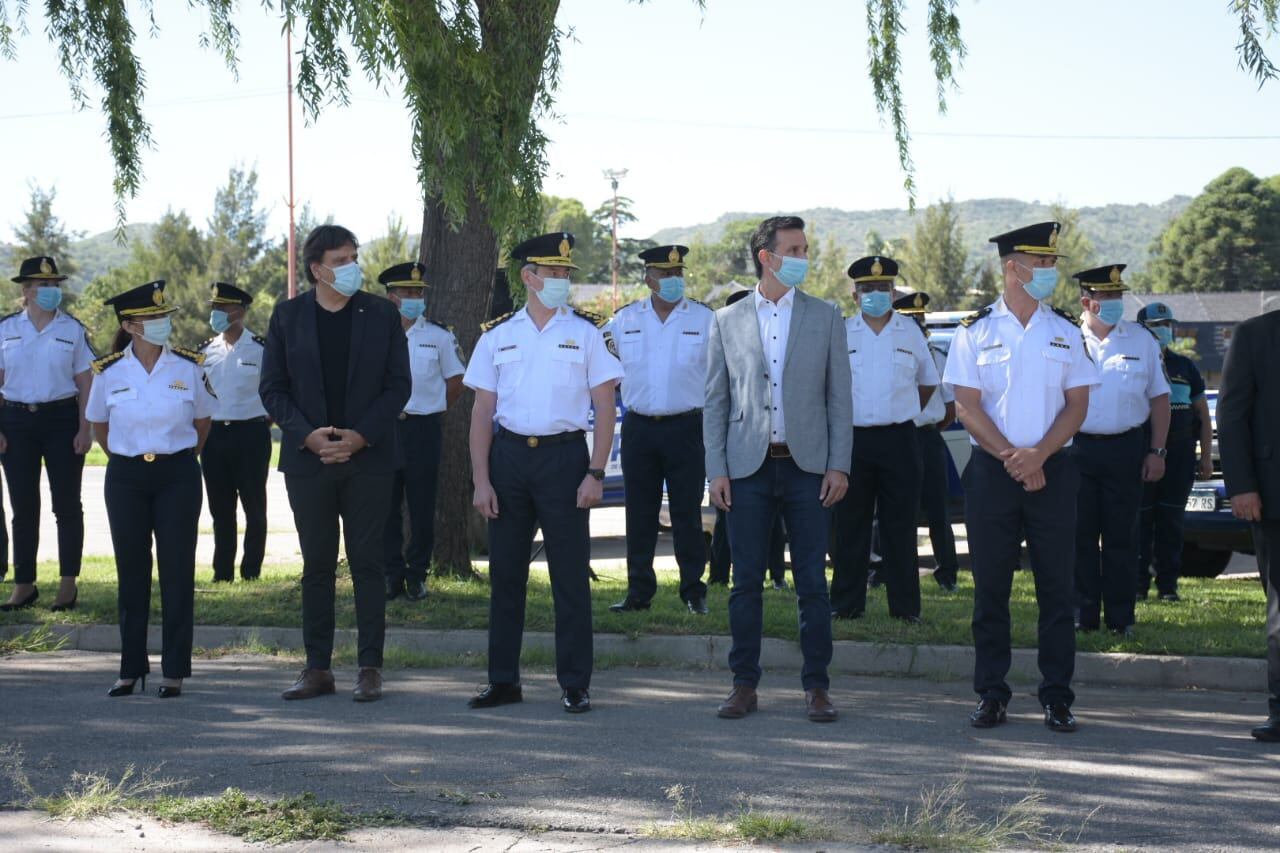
(752, 105)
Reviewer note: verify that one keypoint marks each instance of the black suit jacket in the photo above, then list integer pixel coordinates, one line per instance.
(378, 381)
(1249, 412)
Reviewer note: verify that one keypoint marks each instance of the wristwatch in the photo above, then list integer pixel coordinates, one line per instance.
(598, 473)
(1158, 451)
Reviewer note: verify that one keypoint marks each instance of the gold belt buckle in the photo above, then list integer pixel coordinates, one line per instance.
(148, 457)
(532, 441)
(32, 407)
(403, 416)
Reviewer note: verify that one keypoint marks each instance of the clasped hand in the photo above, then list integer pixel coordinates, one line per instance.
(1026, 465)
(335, 446)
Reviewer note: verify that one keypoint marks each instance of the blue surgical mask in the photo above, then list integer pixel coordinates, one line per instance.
(1110, 311)
(1044, 280)
(1164, 334)
(219, 320)
(157, 331)
(792, 271)
(347, 278)
(48, 298)
(671, 289)
(875, 304)
(411, 309)
(554, 293)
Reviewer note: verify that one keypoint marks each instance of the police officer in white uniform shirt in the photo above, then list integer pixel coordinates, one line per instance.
(1113, 452)
(44, 382)
(237, 453)
(435, 360)
(893, 376)
(150, 406)
(537, 374)
(1021, 376)
(938, 414)
(662, 342)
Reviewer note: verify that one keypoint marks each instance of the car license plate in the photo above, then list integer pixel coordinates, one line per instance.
(1202, 502)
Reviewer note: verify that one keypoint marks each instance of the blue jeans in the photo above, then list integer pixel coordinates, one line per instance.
(778, 486)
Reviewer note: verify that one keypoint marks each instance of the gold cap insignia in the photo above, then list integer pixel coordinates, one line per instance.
(416, 274)
(213, 290)
(673, 256)
(1053, 238)
(876, 268)
(919, 300)
(1115, 275)
(46, 267)
(157, 296)
(564, 247)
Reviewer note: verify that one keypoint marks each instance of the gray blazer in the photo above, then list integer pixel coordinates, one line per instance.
(817, 394)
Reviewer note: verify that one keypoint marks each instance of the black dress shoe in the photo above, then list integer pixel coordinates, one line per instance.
(1170, 596)
(415, 590)
(395, 588)
(1125, 633)
(1268, 731)
(628, 605)
(698, 605)
(989, 714)
(910, 620)
(496, 694)
(874, 580)
(946, 585)
(576, 700)
(1057, 716)
(59, 606)
(122, 689)
(171, 691)
(23, 603)
(780, 586)
(847, 613)
(217, 579)
(1082, 627)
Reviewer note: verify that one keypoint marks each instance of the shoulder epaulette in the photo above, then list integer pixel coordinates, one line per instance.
(100, 364)
(260, 340)
(444, 326)
(77, 319)
(699, 302)
(13, 314)
(628, 305)
(205, 343)
(189, 355)
(594, 319)
(975, 317)
(1066, 315)
(496, 321)
(1150, 331)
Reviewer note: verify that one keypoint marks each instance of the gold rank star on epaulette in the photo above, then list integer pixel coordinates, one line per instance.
(260, 340)
(189, 355)
(594, 319)
(496, 321)
(975, 317)
(206, 342)
(100, 364)
(1066, 315)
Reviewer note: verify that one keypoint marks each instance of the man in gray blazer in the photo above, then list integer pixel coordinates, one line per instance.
(778, 430)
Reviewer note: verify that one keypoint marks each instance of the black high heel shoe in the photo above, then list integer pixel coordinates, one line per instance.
(119, 689)
(171, 691)
(58, 607)
(19, 605)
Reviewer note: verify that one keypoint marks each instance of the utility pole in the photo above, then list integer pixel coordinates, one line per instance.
(293, 252)
(613, 175)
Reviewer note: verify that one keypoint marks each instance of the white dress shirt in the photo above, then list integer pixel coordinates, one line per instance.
(936, 409)
(887, 368)
(665, 361)
(41, 366)
(434, 356)
(1132, 374)
(775, 325)
(149, 412)
(233, 372)
(543, 378)
(1023, 373)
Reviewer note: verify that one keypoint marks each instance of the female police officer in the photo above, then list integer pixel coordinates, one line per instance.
(44, 380)
(150, 407)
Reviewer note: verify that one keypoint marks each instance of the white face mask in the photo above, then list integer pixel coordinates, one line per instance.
(157, 331)
(554, 293)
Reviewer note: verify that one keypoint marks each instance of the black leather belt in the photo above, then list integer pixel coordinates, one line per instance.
(540, 440)
(689, 414)
(779, 451)
(887, 426)
(262, 419)
(927, 426)
(154, 457)
(1107, 436)
(36, 407)
(404, 416)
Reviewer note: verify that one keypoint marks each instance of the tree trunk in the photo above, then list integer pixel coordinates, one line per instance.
(460, 261)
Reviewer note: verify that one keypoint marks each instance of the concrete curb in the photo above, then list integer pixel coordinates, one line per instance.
(944, 663)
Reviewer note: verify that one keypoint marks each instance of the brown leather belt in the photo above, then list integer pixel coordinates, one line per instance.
(779, 451)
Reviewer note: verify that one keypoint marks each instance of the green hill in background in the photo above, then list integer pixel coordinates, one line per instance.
(1120, 232)
(94, 255)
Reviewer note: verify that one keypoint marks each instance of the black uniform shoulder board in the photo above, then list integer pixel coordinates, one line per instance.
(594, 319)
(77, 319)
(260, 340)
(975, 317)
(496, 321)
(8, 316)
(698, 302)
(1066, 315)
(444, 326)
(190, 355)
(101, 364)
(628, 305)
(205, 343)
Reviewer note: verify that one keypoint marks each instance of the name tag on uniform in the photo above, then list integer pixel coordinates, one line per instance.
(632, 331)
(992, 346)
(1131, 358)
(507, 354)
(178, 385)
(569, 345)
(907, 351)
(65, 341)
(122, 394)
(690, 332)
(1059, 345)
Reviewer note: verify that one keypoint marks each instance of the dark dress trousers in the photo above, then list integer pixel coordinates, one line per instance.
(1249, 440)
(357, 492)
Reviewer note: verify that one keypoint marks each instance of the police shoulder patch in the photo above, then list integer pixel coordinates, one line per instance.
(1066, 315)
(190, 355)
(592, 318)
(975, 317)
(496, 321)
(100, 364)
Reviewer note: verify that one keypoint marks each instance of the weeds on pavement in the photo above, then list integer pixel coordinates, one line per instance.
(747, 826)
(943, 821)
(299, 818)
(39, 639)
(95, 795)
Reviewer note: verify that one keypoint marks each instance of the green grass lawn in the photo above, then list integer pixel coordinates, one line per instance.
(1215, 617)
(98, 456)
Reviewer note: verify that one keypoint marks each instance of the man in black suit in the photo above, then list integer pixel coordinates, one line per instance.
(1248, 414)
(335, 374)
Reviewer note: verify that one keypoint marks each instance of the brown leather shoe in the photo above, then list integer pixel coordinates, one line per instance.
(368, 685)
(741, 701)
(310, 684)
(819, 707)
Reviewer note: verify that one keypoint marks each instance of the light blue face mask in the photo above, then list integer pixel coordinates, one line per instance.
(1044, 280)
(792, 271)
(671, 289)
(554, 293)
(1110, 311)
(1164, 334)
(347, 278)
(157, 331)
(219, 320)
(411, 309)
(48, 298)
(875, 304)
